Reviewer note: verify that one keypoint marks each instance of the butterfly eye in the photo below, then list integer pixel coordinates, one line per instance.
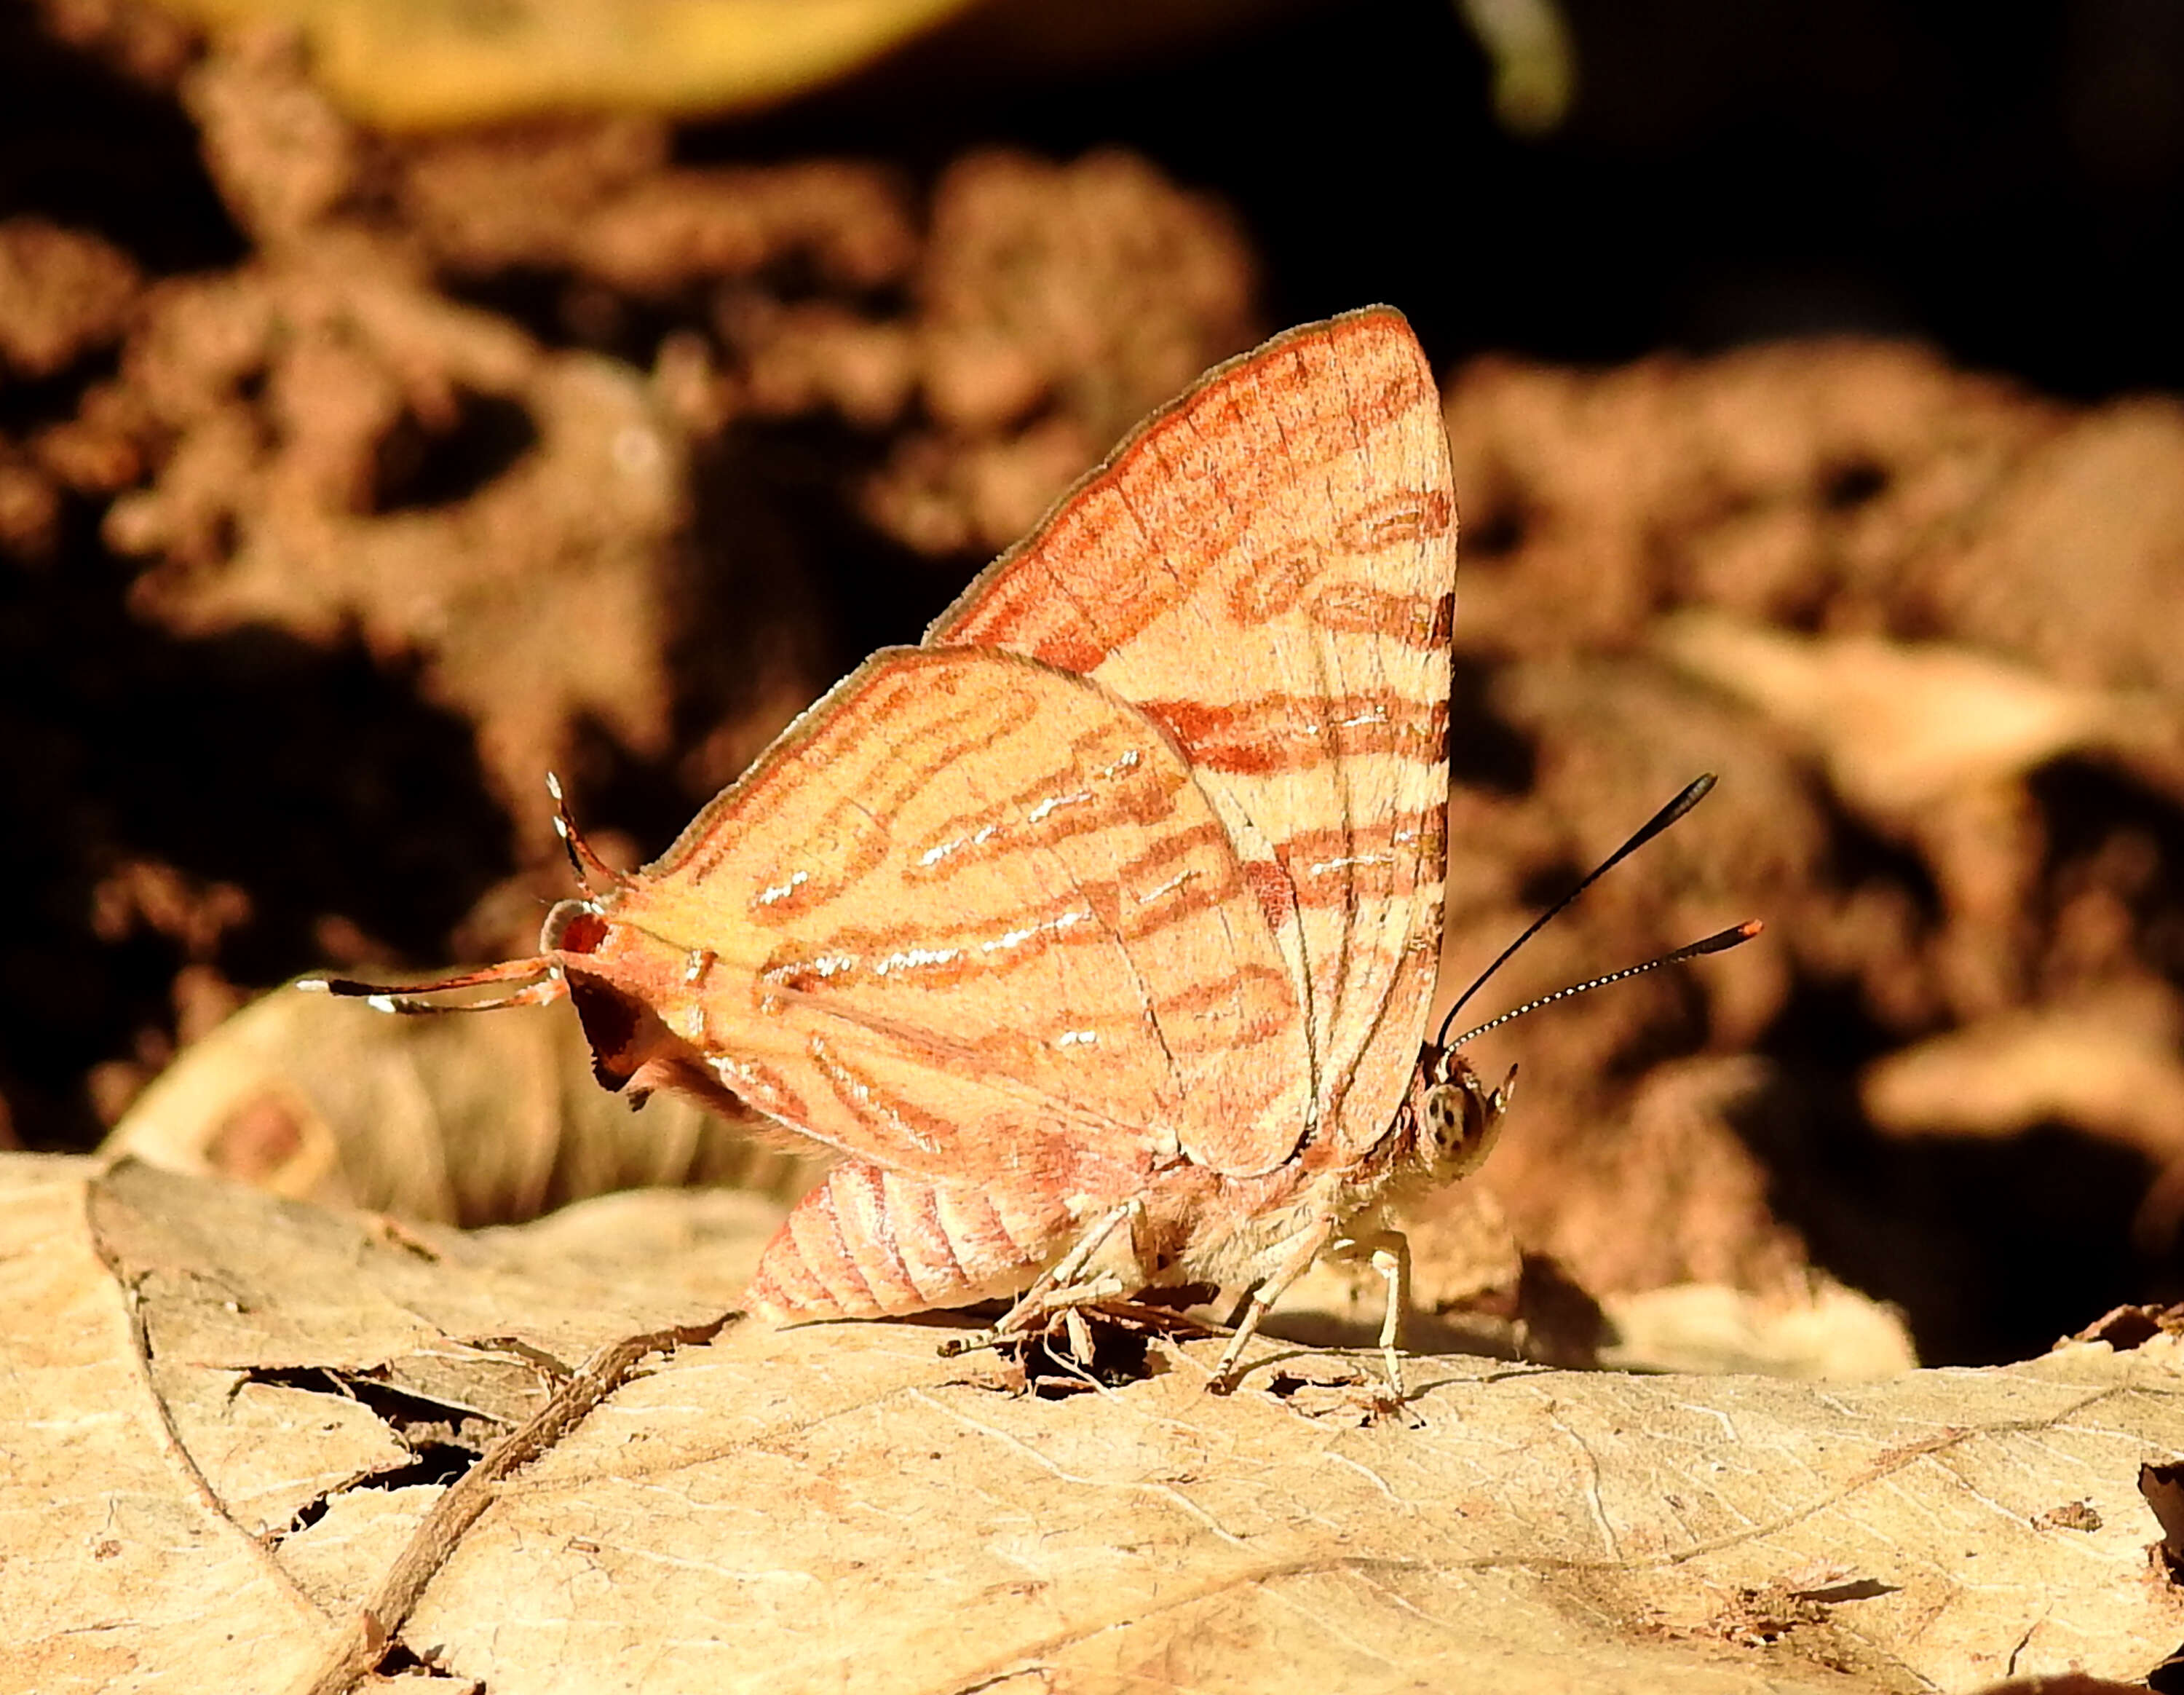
(1444, 1118)
(1464, 1117)
(572, 927)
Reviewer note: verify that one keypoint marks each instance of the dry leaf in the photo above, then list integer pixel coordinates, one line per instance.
(62, 293)
(224, 1415)
(2107, 1063)
(2126, 1327)
(704, 1242)
(580, 531)
(1822, 1334)
(471, 1121)
(1900, 725)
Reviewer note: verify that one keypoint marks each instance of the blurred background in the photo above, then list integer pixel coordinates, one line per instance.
(397, 400)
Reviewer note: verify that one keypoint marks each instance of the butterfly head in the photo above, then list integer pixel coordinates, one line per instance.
(1458, 1117)
(638, 996)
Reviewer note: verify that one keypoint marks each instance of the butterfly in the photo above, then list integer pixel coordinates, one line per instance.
(1096, 933)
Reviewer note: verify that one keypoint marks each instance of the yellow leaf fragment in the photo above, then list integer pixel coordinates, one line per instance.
(411, 64)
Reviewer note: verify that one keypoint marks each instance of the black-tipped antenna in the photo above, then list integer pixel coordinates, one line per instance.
(592, 873)
(539, 985)
(1694, 792)
(1720, 942)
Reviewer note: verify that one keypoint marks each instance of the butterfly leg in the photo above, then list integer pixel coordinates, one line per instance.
(1080, 1336)
(1390, 1254)
(1270, 1289)
(1063, 1286)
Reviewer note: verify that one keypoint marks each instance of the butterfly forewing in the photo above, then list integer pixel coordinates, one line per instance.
(1268, 569)
(973, 919)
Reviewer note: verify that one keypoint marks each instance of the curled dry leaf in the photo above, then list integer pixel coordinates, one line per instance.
(459, 1121)
(1901, 725)
(1823, 1333)
(233, 1422)
(2163, 1486)
(2107, 1062)
(2126, 1327)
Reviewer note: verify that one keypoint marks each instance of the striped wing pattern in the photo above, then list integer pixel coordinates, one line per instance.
(1268, 569)
(972, 918)
(1126, 882)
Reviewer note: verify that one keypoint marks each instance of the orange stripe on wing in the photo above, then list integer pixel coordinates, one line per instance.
(1156, 891)
(1275, 732)
(1107, 779)
(868, 1100)
(1402, 519)
(1323, 867)
(1091, 578)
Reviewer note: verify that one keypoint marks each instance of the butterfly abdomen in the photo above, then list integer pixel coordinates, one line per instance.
(870, 1242)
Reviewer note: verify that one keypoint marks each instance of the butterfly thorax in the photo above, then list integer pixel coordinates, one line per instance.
(1200, 1225)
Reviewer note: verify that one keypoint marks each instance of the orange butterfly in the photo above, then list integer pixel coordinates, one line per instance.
(1097, 932)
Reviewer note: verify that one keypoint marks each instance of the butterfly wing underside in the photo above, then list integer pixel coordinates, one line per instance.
(971, 919)
(1141, 854)
(1267, 568)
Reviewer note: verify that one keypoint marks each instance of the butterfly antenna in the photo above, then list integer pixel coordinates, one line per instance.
(1720, 942)
(594, 873)
(1694, 792)
(541, 983)
(538, 979)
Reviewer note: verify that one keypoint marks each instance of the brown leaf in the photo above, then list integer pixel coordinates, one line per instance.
(2123, 1328)
(2163, 1486)
(1901, 725)
(540, 600)
(2106, 1062)
(836, 1505)
(61, 293)
(471, 1121)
